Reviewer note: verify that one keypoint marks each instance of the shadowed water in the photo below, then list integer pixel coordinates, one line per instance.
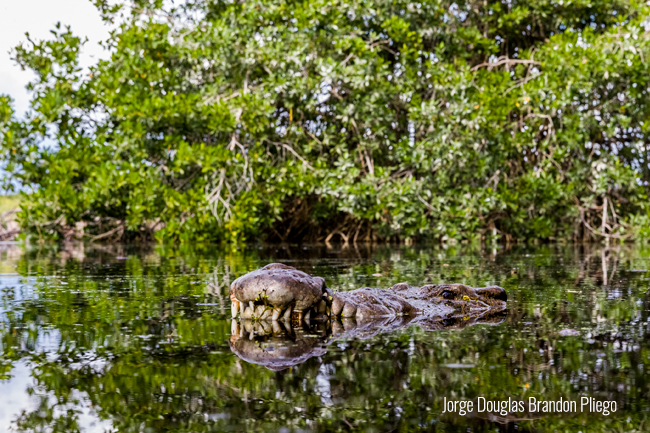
(139, 340)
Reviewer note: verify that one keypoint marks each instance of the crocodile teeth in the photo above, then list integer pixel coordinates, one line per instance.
(307, 316)
(349, 323)
(322, 306)
(258, 328)
(337, 306)
(276, 314)
(349, 311)
(287, 314)
(234, 328)
(235, 308)
(266, 313)
(266, 328)
(365, 314)
(337, 327)
(247, 313)
(277, 329)
(258, 311)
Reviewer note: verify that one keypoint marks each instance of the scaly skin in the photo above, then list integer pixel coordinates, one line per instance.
(279, 292)
(277, 305)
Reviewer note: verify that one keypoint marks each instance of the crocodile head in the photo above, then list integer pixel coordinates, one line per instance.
(280, 292)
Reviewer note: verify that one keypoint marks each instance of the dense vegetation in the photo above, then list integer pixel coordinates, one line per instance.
(352, 120)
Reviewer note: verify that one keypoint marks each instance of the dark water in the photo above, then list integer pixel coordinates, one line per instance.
(138, 340)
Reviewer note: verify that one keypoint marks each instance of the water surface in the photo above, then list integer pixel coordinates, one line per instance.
(136, 339)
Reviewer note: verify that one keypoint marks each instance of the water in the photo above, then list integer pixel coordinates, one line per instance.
(138, 340)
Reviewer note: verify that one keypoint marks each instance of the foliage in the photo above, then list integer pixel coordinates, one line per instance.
(359, 120)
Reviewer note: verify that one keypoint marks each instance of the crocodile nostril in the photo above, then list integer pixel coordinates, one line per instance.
(448, 322)
(447, 294)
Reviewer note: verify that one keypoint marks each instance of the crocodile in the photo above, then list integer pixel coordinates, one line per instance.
(287, 316)
(278, 292)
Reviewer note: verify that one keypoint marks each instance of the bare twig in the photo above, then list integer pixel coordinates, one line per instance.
(522, 82)
(290, 149)
(503, 60)
(494, 178)
(214, 197)
(329, 237)
(314, 137)
(218, 98)
(119, 228)
(346, 59)
(431, 208)
(594, 231)
(604, 219)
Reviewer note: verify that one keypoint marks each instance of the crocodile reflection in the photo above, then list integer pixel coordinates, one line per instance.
(287, 316)
(279, 345)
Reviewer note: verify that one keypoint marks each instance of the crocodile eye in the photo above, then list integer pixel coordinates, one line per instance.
(447, 294)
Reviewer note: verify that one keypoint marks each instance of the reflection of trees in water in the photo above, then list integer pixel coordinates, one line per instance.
(145, 340)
